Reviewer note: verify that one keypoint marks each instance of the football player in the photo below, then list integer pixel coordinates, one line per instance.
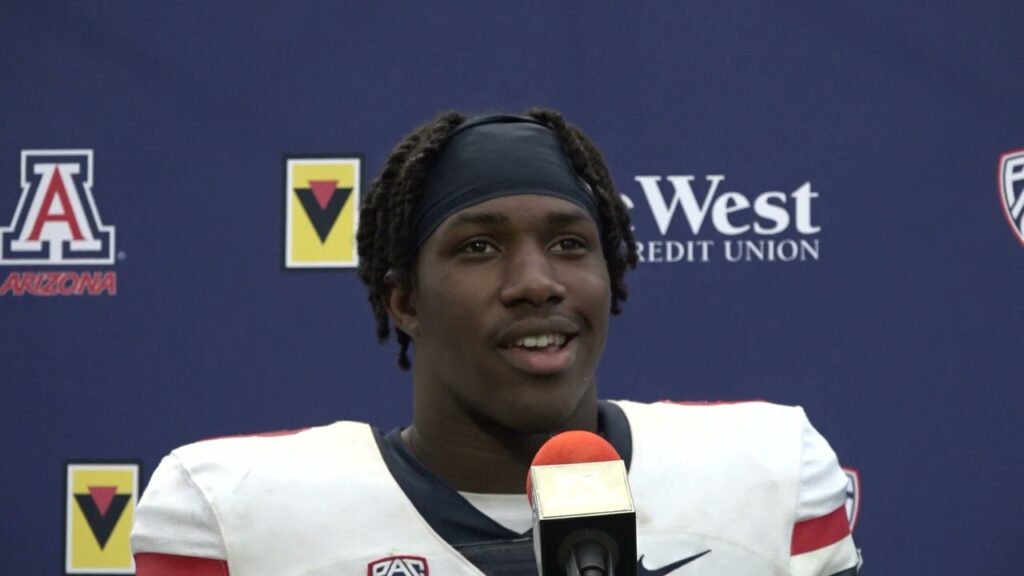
(495, 248)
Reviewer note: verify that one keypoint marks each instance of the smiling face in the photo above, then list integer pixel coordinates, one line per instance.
(508, 312)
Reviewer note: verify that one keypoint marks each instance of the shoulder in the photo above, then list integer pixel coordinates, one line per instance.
(757, 435)
(754, 416)
(227, 469)
(274, 448)
(195, 494)
(760, 434)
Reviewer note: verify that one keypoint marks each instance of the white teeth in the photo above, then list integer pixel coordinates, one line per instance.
(541, 341)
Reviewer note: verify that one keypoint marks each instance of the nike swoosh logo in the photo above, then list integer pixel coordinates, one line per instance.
(642, 570)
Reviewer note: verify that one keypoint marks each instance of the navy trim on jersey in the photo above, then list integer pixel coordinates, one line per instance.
(449, 514)
(613, 425)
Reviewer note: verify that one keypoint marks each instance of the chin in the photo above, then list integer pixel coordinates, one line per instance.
(540, 413)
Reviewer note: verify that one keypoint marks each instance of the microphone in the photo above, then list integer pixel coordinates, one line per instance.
(584, 523)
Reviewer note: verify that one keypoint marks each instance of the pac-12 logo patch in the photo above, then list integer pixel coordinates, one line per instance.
(1011, 190)
(398, 566)
(100, 511)
(321, 212)
(56, 220)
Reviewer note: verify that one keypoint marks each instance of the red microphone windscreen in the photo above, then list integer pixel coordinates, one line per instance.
(572, 447)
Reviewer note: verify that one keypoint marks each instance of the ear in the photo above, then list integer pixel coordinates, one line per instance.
(401, 304)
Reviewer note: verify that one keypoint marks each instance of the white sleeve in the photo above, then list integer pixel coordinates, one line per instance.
(174, 516)
(821, 544)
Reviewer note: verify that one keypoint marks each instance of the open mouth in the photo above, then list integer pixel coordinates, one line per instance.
(541, 342)
(541, 354)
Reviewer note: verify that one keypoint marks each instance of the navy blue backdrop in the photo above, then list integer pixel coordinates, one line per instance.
(889, 305)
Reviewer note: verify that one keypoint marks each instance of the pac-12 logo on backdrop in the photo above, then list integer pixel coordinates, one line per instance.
(1011, 189)
(100, 510)
(57, 220)
(321, 212)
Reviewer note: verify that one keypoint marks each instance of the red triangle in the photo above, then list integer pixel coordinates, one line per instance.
(323, 190)
(102, 496)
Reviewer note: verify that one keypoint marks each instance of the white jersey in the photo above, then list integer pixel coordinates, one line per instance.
(738, 489)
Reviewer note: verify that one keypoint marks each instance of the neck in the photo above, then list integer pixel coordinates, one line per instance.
(474, 453)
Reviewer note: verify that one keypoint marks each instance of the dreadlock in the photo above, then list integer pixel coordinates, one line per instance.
(385, 236)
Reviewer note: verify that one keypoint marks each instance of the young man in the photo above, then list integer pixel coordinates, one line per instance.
(496, 247)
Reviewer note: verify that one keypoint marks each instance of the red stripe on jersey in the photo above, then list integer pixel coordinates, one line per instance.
(272, 434)
(151, 564)
(820, 532)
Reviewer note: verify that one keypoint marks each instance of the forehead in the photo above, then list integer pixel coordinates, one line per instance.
(521, 210)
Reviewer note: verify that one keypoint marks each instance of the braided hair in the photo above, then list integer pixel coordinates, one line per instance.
(385, 238)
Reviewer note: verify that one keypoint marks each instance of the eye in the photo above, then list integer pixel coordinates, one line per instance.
(478, 246)
(569, 244)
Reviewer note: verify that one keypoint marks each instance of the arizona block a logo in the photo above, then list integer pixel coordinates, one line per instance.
(56, 221)
(1011, 190)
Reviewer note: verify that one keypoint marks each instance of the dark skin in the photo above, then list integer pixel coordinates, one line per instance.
(492, 285)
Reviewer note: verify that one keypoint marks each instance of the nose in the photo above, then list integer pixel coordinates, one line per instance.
(530, 278)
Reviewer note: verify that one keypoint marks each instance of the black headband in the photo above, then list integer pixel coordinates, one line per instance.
(493, 156)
